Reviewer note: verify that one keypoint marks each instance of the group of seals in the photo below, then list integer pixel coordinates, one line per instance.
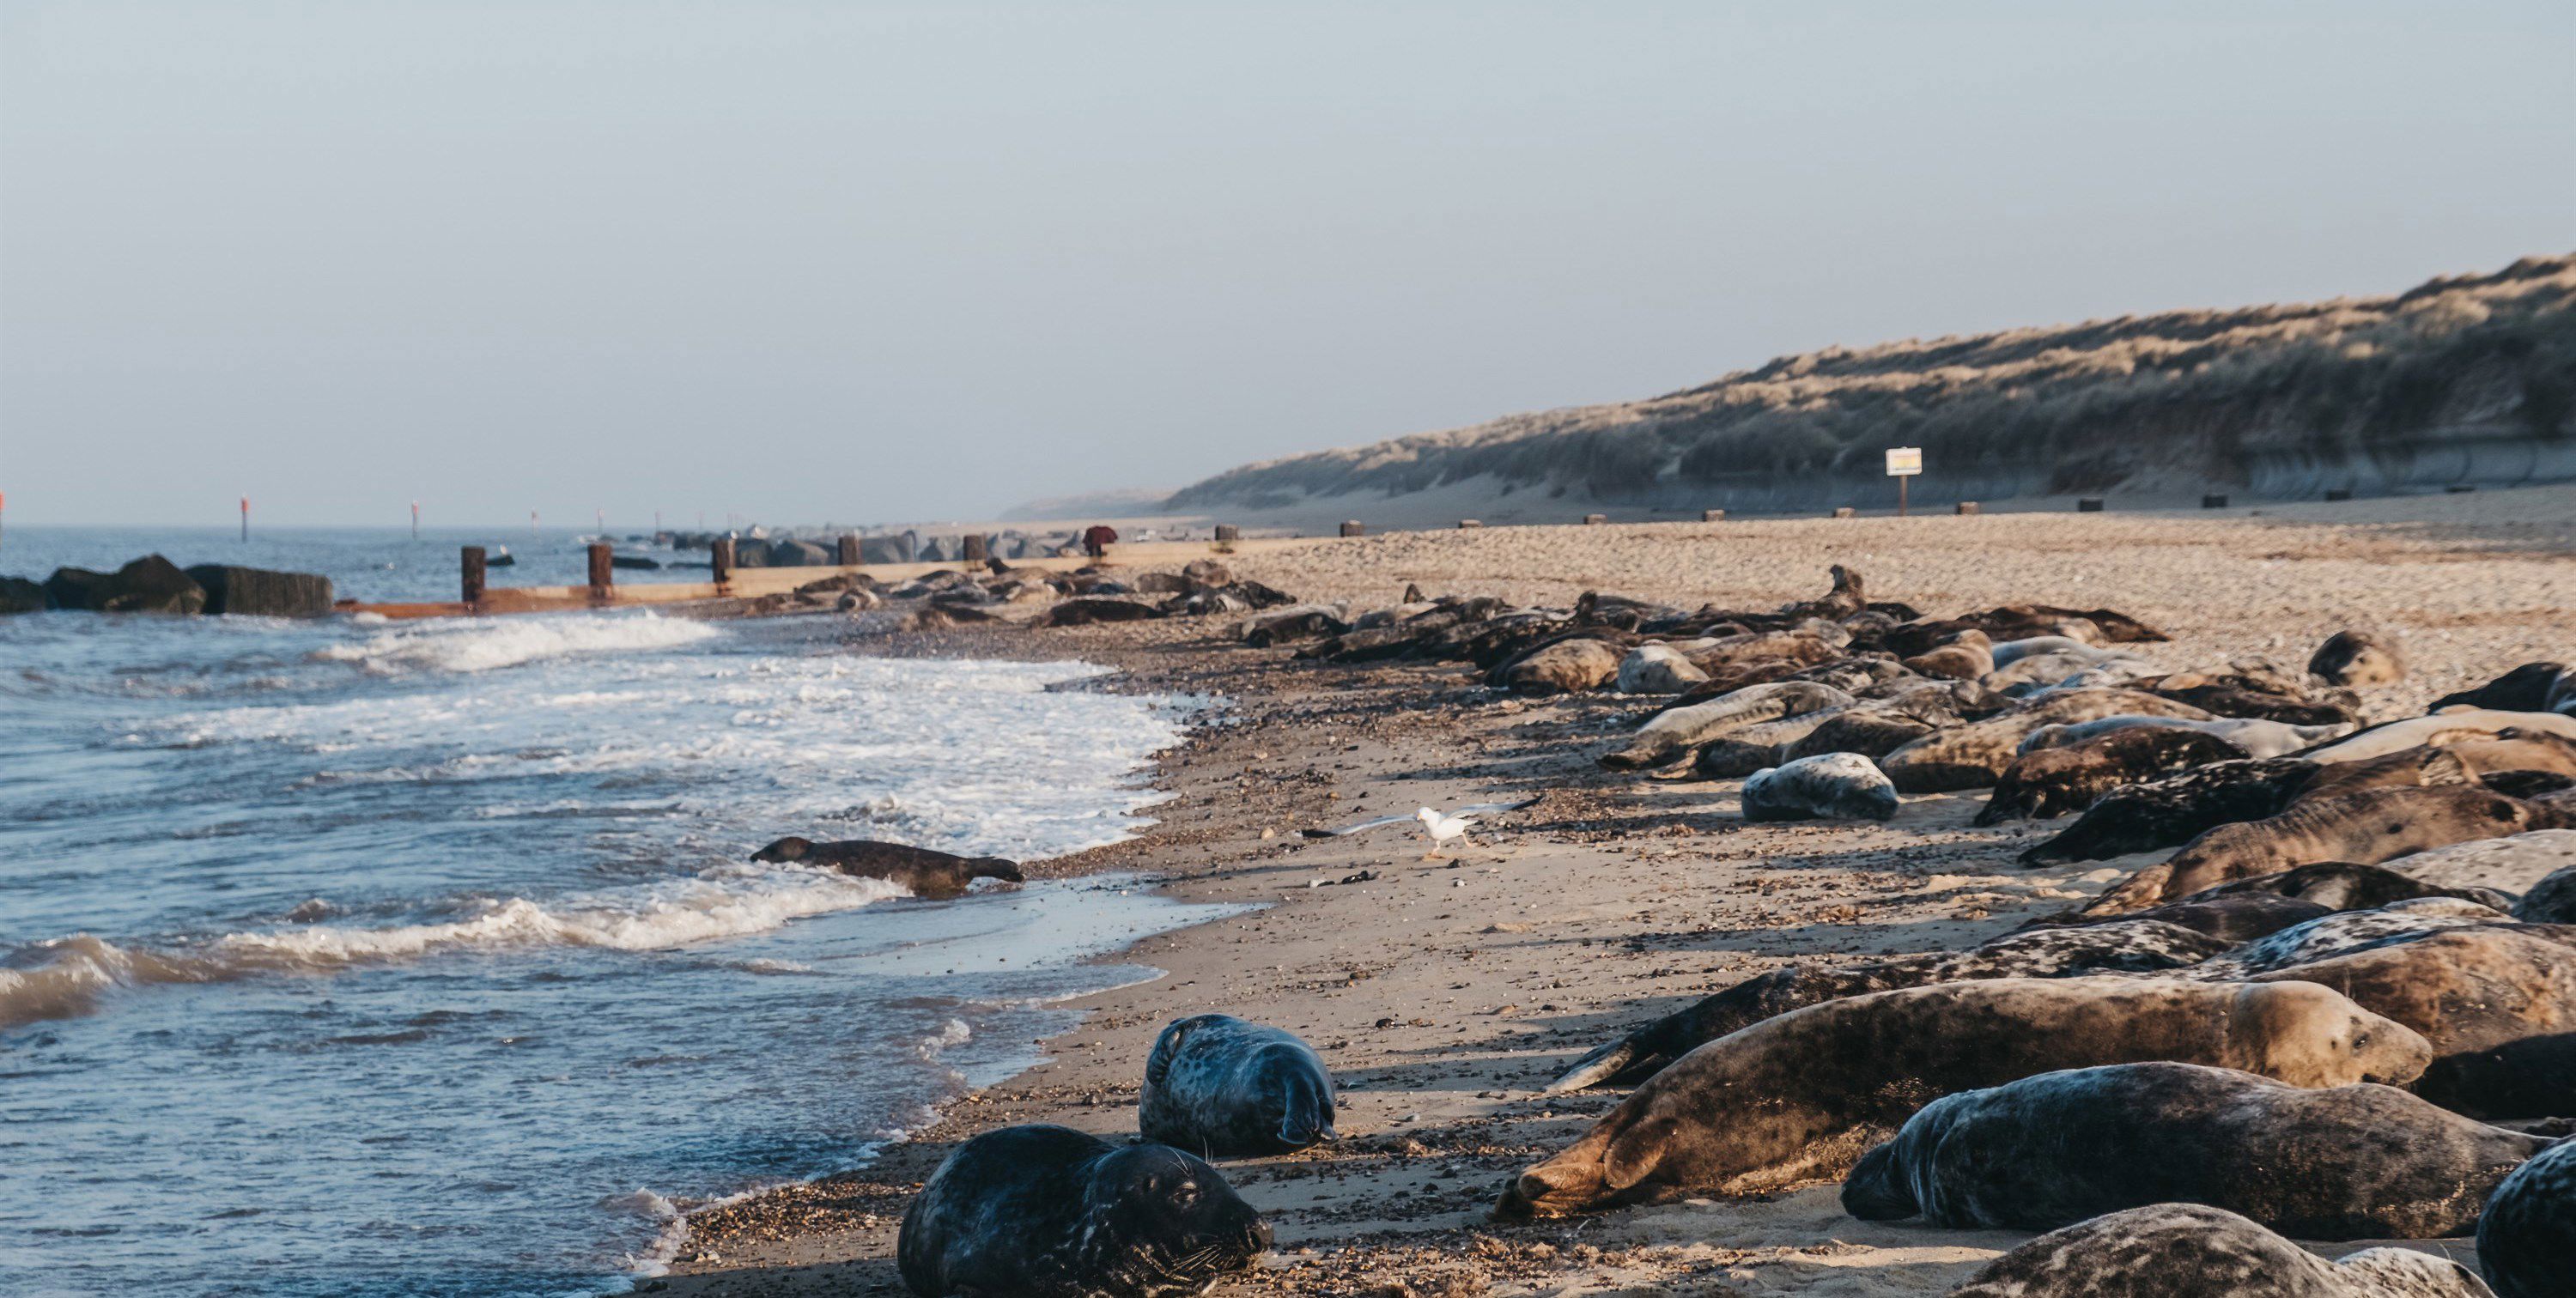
(1050, 1212)
(1800, 1095)
(922, 871)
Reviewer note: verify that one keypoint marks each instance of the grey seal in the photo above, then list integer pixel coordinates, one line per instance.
(2527, 1239)
(1828, 785)
(1049, 1212)
(1226, 1086)
(2186, 1250)
(2346, 1162)
(923, 871)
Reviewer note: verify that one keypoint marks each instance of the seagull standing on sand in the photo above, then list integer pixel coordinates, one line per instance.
(1437, 826)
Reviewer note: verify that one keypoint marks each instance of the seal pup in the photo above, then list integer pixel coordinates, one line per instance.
(2371, 1162)
(2060, 780)
(1800, 1096)
(1049, 1212)
(2138, 945)
(924, 872)
(2367, 827)
(2343, 885)
(1828, 785)
(1224, 1086)
(2186, 1250)
(2527, 1239)
(2358, 658)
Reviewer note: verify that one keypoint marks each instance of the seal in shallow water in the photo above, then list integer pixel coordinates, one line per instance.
(2527, 1239)
(2349, 1162)
(1049, 1212)
(1800, 1096)
(924, 872)
(1224, 1086)
(2185, 1250)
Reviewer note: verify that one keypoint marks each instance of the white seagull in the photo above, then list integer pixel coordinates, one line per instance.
(1437, 826)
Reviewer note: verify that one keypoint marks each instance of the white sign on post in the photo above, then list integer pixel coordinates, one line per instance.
(1904, 461)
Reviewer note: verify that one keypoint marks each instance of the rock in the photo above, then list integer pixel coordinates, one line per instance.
(1566, 667)
(883, 549)
(799, 554)
(150, 584)
(748, 553)
(19, 595)
(258, 592)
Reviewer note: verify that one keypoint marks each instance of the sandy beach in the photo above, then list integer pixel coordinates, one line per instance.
(1444, 993)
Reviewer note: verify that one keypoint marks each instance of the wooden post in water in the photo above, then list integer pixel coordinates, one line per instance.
(473, 576)
(720, 558)
(849, 549)
(603, 570)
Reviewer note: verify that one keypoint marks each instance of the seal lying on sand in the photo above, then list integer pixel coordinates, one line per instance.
(1049, 1212)
(2371, 1162)
(1223, 1086)
(2367, 828)
(1972, 756)
(1826, 785)
(921, 871)
(2176, 809)
(1800, 1096)
(2342, 885)
(2358, 658)
(2550, 901)
(2185, 1250)
(2126, 946)
(2524, 689)
(2061, 780)
(2527, 1239)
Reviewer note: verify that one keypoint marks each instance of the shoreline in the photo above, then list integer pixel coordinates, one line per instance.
(1443, 994)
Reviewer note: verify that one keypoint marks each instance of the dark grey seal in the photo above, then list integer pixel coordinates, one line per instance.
(1048, 1212)
(2343, 885)
(1225, 1086)
(2185, 1250)
(2527, 1239)
(2349, 1162)
(2550, 901)
(923, 871)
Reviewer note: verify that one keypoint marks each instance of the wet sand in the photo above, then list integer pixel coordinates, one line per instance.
(1444, 993)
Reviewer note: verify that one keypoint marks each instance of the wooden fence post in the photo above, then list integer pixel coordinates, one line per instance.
(971, 548)
(1353, 528)
(602, 570)
(473, 576)
(849, 549)
(720, 558)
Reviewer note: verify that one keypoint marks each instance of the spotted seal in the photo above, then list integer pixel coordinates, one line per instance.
(921, 870)
(2527, 1239)
(2186, 1250)
(2060, 780)
(1227, 1086)
(2371, 1162)
(1049, 1212)
(1827, 785)
(1801, 1096)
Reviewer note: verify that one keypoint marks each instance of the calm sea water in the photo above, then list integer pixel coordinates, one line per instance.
(423, 958)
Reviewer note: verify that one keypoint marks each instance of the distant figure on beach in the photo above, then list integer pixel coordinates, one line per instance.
(926, 873)
(1096, 539)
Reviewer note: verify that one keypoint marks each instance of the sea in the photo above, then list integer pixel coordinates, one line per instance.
(354, 956)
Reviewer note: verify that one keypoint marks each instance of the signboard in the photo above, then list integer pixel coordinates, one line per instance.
(1904, 461)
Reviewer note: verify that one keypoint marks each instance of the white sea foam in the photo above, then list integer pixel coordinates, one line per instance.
(476, 645)
(65, 976)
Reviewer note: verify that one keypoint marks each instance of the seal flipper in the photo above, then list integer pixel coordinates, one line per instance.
(1307, 1118)
(1595, 1068)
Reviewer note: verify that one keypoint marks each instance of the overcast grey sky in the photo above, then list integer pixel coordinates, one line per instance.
(914, 261)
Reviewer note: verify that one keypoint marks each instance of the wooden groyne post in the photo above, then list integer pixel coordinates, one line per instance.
(849, 549)
(971, 549)
(472, 576)
(720, 560)
(1353, 528)
(603, 571)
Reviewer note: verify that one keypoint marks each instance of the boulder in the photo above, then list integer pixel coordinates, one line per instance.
(258, 592)
(19, 595)
(150, 584)
(799, 554)
(883, 549)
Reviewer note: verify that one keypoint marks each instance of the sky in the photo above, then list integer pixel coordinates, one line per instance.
(914, 262)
